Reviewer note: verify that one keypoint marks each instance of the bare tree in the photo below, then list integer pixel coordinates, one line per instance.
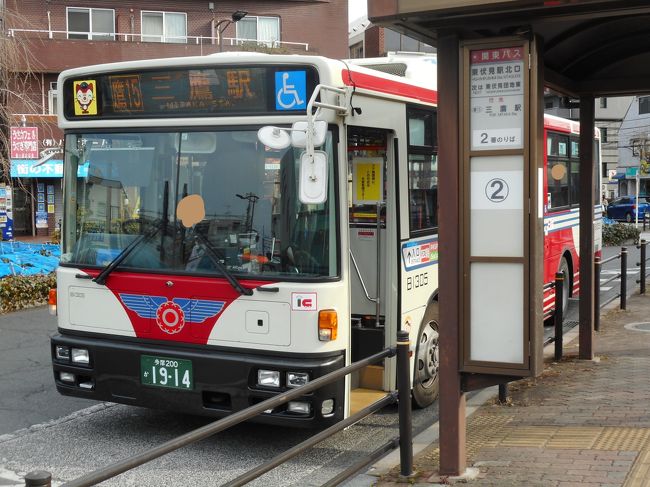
(19, 84)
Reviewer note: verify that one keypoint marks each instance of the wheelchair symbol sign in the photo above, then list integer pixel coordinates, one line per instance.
(290, 90)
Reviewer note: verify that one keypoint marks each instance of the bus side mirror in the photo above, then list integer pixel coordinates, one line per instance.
(313, 178)
(299, 133)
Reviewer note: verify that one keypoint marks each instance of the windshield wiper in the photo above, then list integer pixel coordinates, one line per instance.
(216, 259)
(103, 275)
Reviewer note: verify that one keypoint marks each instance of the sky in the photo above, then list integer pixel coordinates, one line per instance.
(356, 9)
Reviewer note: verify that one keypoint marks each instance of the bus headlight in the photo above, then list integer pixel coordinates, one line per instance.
(297, 379)
(298, 407)
(80, 356)
(268, 378)
(327, 407)
(61, 352)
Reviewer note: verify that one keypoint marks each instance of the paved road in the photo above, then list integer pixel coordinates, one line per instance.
(102, 433)
(27, 392)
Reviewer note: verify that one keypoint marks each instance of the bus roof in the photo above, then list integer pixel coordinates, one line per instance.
(551, 122)
(330, 71)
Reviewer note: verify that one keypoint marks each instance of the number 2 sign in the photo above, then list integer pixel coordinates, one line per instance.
(496, 190)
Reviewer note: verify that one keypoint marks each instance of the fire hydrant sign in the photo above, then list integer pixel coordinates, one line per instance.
(497, 98)
(24, 142)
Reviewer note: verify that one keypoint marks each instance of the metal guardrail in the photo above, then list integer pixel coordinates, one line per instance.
(405, 441)
(153, 38)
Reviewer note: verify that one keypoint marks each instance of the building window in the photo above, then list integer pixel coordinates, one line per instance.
(356, 50)
(603, 134)
(603, 102)
(261, 29)
(644, 104)
(394, 41)
(97, 24)
(164, 27)
(51, 98)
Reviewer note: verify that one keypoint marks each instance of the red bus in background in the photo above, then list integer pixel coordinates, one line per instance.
(561, 206)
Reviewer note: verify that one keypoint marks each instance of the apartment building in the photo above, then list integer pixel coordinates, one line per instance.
(50, 36)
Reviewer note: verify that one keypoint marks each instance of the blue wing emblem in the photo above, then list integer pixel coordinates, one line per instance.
(198, 310)
(143, 306)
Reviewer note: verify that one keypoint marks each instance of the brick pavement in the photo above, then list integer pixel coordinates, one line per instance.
(583, 423)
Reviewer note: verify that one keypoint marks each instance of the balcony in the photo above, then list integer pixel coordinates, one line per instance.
(53, 51)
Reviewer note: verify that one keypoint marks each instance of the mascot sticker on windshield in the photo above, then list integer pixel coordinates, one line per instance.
(84, 93)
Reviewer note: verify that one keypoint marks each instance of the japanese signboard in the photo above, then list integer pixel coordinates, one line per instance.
(368, 178)
(497, 98)
(24, 143)
(49, 169)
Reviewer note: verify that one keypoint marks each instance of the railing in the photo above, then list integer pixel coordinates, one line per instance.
(405, 441)
(129, 37)
(558, 286)
(622, 275)
(642, 264)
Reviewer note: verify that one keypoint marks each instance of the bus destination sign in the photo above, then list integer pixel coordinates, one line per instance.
(188, 92)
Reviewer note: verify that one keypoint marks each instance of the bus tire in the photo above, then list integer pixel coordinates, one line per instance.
(566, 284)
(426, 376)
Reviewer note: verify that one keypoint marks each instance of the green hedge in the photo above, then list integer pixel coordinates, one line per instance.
(617, 233)
(18, 292)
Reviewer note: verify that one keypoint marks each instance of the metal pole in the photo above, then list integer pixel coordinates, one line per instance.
(309, 442)
(404, 404)
(623, 277)
(642, 264)
(636, 198)
(503, 393)
(597, 270)
(38, 478)
(559, 314)
(378, 286)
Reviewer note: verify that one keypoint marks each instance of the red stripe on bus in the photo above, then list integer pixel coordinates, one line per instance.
(362, 80)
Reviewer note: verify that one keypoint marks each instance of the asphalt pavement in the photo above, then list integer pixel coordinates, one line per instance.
(27, 392)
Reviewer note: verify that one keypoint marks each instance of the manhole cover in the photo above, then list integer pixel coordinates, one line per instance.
(638, 326)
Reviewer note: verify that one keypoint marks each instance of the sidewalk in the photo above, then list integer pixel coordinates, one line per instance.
(584, 423)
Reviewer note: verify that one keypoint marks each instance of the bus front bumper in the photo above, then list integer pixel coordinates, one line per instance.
(222, 382)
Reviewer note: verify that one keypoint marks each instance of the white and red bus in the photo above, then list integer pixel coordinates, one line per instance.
(216, 251)
(561, 206)
(223, 243)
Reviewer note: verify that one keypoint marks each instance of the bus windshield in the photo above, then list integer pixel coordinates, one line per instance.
(204, 196)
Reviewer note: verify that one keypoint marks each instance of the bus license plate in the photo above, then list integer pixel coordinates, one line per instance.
(167, 372)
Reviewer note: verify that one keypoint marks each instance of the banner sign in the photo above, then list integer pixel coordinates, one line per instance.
(24, 142)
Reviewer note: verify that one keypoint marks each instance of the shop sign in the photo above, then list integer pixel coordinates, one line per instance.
(48, 169)
(24, 143)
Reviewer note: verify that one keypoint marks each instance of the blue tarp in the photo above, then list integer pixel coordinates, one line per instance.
(24, 259)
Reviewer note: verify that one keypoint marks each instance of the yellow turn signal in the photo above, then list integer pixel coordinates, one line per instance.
(328, 325)
(51, 301)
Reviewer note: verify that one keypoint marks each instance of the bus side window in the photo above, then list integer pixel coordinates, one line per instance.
(422, 171)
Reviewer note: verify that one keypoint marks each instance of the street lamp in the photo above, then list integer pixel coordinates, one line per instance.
(235, 17)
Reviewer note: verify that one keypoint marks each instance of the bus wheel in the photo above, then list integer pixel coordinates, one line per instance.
(566, 285)
(427, 360)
